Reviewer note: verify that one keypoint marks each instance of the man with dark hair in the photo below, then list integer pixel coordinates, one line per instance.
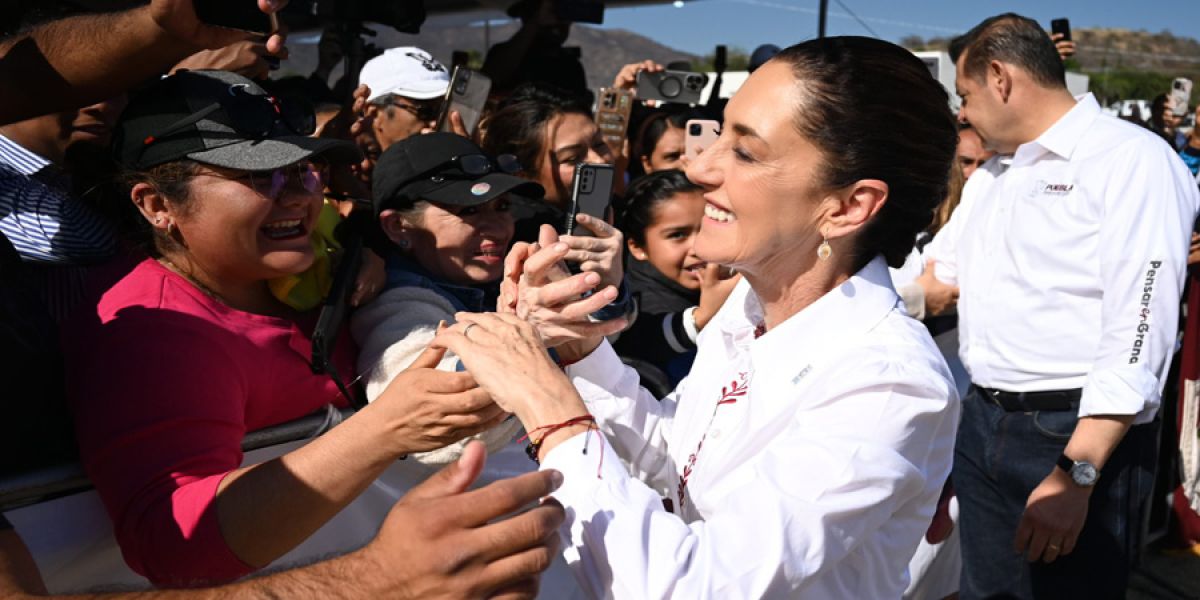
(1070, 254)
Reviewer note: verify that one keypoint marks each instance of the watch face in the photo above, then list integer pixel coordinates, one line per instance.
(1084, 474)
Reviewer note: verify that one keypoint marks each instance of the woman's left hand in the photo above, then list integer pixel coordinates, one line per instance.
(537, 289)
(599, 253)
(508, 359)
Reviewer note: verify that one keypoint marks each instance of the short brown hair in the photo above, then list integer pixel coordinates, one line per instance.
(1013, 39)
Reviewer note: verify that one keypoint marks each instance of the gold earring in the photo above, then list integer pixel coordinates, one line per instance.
(824, 251)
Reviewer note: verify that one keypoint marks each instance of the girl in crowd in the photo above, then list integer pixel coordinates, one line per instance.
(190, 350)
(677, 292)
(659, 143)
(806, 450)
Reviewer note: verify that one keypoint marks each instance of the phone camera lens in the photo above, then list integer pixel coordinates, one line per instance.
(695, 129)
(695, 82)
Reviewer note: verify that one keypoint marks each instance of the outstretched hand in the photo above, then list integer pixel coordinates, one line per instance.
(424, 408)
(442, 541)
(178, 18)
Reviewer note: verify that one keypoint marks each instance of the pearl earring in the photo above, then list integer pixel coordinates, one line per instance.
(824, 251)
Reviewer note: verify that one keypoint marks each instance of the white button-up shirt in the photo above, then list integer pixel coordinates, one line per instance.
(813, 454)
(1070, 263)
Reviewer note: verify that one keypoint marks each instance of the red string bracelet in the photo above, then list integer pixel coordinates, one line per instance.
(536, 445)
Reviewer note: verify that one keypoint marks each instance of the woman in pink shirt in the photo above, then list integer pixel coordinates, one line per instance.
(190, 350)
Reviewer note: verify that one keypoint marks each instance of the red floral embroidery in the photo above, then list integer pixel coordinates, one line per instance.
(730, 394)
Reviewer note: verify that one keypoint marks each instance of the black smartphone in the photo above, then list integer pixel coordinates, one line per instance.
(467, 95)
(1062, 26)
(681, 87)
(720, 60)
(580, 11)
(242, 15)
(591, 194)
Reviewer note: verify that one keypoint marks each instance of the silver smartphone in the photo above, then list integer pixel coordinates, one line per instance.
(467, 95)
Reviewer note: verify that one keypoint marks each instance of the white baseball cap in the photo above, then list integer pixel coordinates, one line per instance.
(405, 71)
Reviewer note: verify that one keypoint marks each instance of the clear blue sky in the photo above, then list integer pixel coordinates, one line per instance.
(701, 24)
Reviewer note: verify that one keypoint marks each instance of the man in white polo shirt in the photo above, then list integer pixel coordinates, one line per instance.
(407, 86)
(1070, 251)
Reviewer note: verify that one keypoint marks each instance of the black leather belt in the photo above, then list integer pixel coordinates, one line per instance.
(1032, 401)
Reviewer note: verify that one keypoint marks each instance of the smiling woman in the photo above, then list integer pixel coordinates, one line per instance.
(191, 350)
(805, 451)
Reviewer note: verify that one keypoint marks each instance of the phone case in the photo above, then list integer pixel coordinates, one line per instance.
(681, 87)
(1181, 95)
(467, 94)
(591, 193)
(612, 115)
(698, 135)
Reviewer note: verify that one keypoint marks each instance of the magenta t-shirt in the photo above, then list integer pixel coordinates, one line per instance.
(164, 382)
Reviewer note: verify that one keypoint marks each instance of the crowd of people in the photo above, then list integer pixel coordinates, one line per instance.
(856, 347)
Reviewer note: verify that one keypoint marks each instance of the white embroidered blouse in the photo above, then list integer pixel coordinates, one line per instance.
(808, 460)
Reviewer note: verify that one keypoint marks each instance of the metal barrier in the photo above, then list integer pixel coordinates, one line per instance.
(57, 481)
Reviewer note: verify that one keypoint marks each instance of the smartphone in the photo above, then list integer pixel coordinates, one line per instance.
(591, 194)
(681, 87)
(236, 14)
(467, 94)
(580, 11)
(698, 135)
(1062, 26)
(612, 115)
(1181, 95)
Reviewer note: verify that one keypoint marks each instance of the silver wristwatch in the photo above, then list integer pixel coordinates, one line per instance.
(1082, 472)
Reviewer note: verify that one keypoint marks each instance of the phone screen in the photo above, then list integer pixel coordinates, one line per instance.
(235, 14)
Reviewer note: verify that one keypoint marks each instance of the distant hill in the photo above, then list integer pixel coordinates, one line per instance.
(603, 51)
(1121, 63)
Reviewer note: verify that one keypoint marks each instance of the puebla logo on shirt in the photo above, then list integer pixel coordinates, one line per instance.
(1046, 188)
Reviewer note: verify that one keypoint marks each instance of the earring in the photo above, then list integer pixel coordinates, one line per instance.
(824, 251)
(171, 228)
(158, 220)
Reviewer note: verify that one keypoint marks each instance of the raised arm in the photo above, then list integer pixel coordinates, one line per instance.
(87, 58)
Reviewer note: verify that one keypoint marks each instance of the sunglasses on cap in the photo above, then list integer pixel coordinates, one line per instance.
(270, 184)
(252, 115)
(477, 165)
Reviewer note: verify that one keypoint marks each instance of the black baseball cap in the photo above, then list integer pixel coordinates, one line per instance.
(444, 168)
(221, 119)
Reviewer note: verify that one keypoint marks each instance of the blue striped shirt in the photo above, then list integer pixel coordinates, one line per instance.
(40, 218)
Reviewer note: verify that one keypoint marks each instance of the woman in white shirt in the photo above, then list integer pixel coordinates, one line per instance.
(804, 453)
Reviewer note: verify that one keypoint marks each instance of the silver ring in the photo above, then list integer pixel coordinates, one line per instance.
(467, 329)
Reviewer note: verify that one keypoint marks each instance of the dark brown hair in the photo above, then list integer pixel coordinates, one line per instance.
(876, 113)
(518, 126)
(1013, 39)
(171, 180)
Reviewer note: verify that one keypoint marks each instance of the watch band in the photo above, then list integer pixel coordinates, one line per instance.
(1065, 463)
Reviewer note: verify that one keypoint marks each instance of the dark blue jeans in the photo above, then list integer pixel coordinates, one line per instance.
(999, 459)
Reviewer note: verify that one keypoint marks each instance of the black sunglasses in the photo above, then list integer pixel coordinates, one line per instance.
(476, 165)
(249, 114)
